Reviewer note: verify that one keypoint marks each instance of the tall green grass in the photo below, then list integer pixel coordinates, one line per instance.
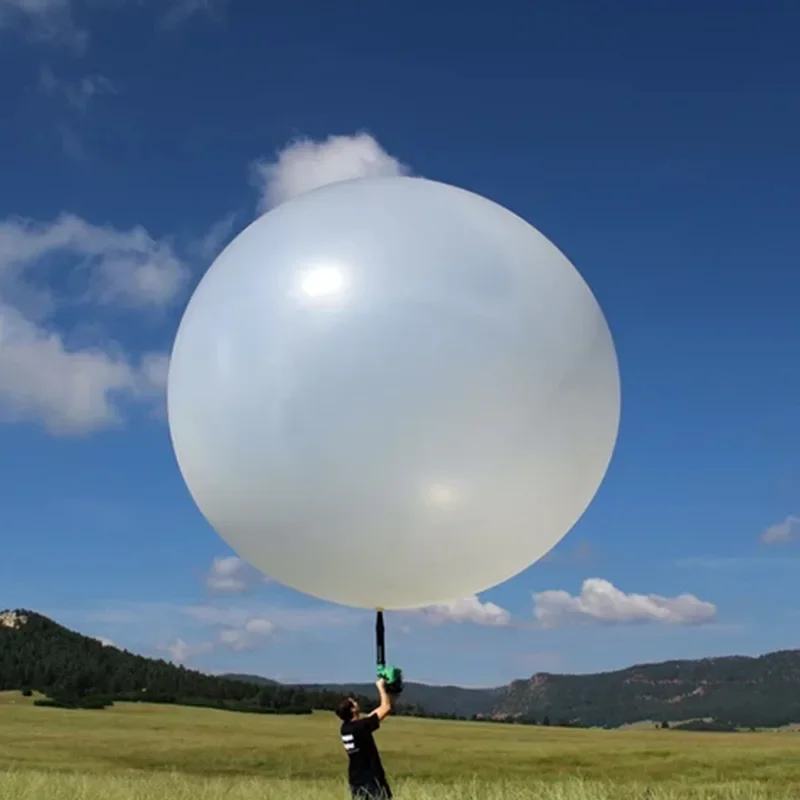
(171, 753)
(32, 785)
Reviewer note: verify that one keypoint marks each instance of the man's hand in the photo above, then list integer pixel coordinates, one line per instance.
(381, 684)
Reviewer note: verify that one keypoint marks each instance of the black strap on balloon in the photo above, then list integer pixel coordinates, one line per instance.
(380, 644)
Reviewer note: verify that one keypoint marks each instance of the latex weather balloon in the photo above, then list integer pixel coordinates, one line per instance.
(392, 393)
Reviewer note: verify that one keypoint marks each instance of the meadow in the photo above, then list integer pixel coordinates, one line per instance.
(134, 751)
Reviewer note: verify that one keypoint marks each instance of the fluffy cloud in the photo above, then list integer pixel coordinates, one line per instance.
(782, 532)
(305, 165)
(127, 266)
(231, 629)
(69, 391)
(601, 602)
(468, 609)
(250, 636)
(180, 651)
(69, 387)
(232, 575)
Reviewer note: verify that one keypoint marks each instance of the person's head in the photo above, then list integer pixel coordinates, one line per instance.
(348, 709)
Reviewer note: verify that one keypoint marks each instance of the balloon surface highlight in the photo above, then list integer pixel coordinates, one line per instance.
(391, 393)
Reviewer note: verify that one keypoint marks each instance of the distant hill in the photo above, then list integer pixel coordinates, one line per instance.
(743, 691)
(40, 655)
(431, 700)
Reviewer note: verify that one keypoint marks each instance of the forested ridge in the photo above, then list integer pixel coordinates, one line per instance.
(37, 654)
(734, 691)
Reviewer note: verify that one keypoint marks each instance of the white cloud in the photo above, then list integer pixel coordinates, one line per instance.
(105, 641)
(235, 628)
(600, 601)
(181, 652)
(77, 95)
(127, 266)
(782, 532)
(252, 635)
(69, 391)
(305, 165)
(232, 575)
(73, 387)
(468, 609)
(153, 372)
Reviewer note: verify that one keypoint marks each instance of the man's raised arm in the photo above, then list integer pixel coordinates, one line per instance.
(385, 708)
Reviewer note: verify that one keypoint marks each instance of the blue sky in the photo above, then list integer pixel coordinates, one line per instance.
(654, 143)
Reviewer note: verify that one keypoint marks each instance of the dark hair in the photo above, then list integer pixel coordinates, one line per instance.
(345, 709)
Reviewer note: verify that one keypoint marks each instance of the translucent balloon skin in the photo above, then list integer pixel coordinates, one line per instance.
(392, 393)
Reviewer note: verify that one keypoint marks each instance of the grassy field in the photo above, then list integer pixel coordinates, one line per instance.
(164, 753)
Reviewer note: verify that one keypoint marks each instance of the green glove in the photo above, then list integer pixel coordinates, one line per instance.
(393, 677)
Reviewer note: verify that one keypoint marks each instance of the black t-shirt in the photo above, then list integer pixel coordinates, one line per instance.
(365, 762)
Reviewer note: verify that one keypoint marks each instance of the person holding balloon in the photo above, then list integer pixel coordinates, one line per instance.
(365, 771)
(398, 371)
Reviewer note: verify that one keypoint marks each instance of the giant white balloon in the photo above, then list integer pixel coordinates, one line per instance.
(392, 393)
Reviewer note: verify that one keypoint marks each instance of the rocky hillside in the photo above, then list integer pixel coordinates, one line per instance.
(763, 691)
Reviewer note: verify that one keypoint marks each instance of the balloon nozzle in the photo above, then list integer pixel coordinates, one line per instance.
(392, 676)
